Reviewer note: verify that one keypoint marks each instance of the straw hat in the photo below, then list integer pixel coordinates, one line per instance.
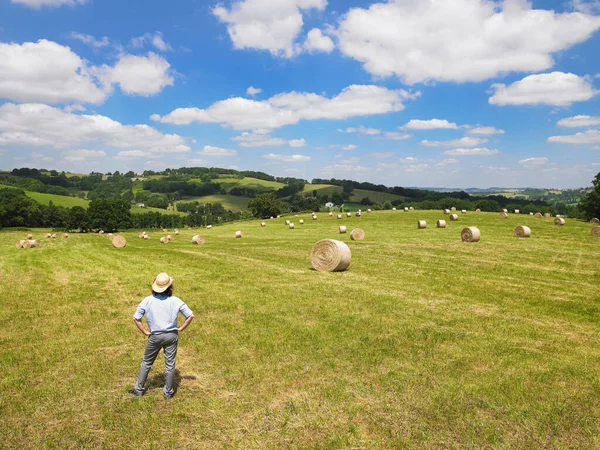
(161, 283)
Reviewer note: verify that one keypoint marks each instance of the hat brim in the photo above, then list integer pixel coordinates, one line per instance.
(160, 289)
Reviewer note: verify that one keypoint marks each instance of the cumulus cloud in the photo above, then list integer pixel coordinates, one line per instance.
(36, 124)
(466, 141)
(587, 7)
(297, 143)
(447, 162)
(91, 40)
(258, 138)
(156, 40)
(362, 130)
(579, 121)
(252, 91)
(344, 147)
(266, 25)
(82, 155)
(396, 136)
(289, 108)
(139, 75)
(432, 124)
(286, 158)
(588, 137)
(317, 41)
(459, 40)
(209, 150)
(381, 155)
(485, 131)
(556, 88)
(49, 3)
(534, 161)
(472, 152)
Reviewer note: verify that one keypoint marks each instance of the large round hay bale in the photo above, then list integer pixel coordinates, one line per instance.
(503, 215)
(522, 231)
(164, 240)
(596, 231)
(263, 224)
(421, 224)
(208, 227)
(29, 236)
(287, 222)
(357, 234)
(198, 240)
(330, 214)
(478, 210)
(470, 234)
(101, 232)
(110, 236)
(164, 230)
(176, 232)
(547, 215)
(463, 211)
(301, 222)
(441, 224)
(559, 221)
(538, 215)
(291, 225)
(342, 229)
(314, 217)
(447, 212)
(146, 237)
(595, 220)
(53, 236)
(358, 214)
(170, 237)
(348, 214)
(329, 255)
(517, 211)
(48, 235)
(406, 209)
(19, 243)
(393, 209)
(65, 235)
(119, 241)
(368, 210)
(27, 243)
(412, 208)
(35, 243)
(238, 234)
(453, 208)
(504, 210)
(339, 216)
(141, 235)
(453, 217)
(531, 214)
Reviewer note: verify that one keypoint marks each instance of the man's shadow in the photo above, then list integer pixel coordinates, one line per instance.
(158, 380)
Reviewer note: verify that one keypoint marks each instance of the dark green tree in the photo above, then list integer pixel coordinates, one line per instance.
(78, 219)
(265, 205)
(590, 204)
(109, 214)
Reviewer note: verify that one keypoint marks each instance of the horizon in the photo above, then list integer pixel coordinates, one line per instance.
(442, 100)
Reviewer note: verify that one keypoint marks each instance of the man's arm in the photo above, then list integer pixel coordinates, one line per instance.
(140, 326)
(188, 320)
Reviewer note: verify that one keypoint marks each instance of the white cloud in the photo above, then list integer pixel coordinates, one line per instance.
(289, 108)
(258, 138)
(579, 121)
(127, 155)
(381, 155)
(50, 3)
(297, 143)
(155, 39)
(252, 91)
(596, 147)
(432, 124)
(409, 159)
(485, 131)
(37, 124)
(362, 130)
(266, 25)
(588, 137)
(556, 88)
(587, 7)
(396, 136)
(534, 161)
(286, 158)
(459, 40)
(82, 155)
(466, 141)
(140, 75)
(35, 156)
(196, 162)
(447, 162)
(74, 107)
(471, 152)
(209, 150)
(317, 41)
(344, 147)
(91, 40)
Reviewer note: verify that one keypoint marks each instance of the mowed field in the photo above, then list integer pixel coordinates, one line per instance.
(425, 342)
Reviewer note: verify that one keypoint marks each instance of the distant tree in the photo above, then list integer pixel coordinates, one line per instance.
(17, 210)
(590, 204)
(78, 219)
(265, 205)
(109, 214)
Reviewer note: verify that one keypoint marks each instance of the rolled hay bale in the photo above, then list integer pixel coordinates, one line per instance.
(27, 243)
(65, 235)
(164, 230)
(53, 236)
(517, 211)
(301, 222)
(263, 224)
(478, 210)
(595, 220)
(164, 240)
(198, 240)
(505, 210)
(559, 221)
(146, 237)
(119, 242)
(558, 215)
(412, 208)
(406, 209)
(421, 224)
(287, 222)
(463, 211)
(358, 214)
(357, 234)
(110, 236)
(441, 224)
(330, 214)
(29, 237)
(393, 209)
(470, 234)
(503, 215)
(141, 235)
(596, 231)
(100, 232)
(348, 214)
(342, 229)
(34, 243)
(447, 212)
(48, 235)
(368, 210)
(314, 217)
(238, 234)
(531, 214)
(19, 243)
(453, 217)
(170, 237)
(453, 208)
(339, 216)
(208, 227)
(291, 225)
(271, 217)
(547, 215)
(538, 215)
(522, 231)
(329, 255)
(278, 216)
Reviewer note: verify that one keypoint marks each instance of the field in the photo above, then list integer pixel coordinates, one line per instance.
(425, 342)
(374, 196)
(250, 183)
(229, 202)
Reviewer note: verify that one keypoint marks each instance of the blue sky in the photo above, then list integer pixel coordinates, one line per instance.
(453, 93)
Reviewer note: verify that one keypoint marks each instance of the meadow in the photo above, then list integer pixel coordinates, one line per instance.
(425, 342)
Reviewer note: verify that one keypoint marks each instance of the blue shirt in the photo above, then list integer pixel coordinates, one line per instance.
(161, 312)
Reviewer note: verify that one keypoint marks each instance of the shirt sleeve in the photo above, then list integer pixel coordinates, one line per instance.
(185, 310)
(140, 311)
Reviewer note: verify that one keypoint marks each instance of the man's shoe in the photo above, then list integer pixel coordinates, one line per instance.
(136, 393)
(168, 397)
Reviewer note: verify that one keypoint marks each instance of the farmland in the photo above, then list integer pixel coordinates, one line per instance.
(425, 342)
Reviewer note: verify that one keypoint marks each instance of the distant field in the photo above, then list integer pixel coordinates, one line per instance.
(252, 183)
(58, 200)
(139, 210)
(425, 342)
(359, 194)
(322, 189)
(230, 202)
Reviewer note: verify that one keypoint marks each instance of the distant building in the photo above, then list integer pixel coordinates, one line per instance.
(141, 205)
(329, 205)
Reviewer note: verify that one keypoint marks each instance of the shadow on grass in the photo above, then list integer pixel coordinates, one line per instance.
(158, 380)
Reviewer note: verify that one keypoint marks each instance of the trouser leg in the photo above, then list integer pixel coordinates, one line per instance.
(170, 355)
(152, 348)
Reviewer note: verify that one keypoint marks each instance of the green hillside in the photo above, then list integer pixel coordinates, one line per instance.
(230, 202)
(251, 183)
(322, 189)
(359, 194)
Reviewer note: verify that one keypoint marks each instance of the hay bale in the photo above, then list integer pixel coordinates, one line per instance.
(176, 232)
(164, 230)
(65, 235)
(301, 222)
(522, 231)
(164, 240)
(198, 240)
(517, 211)
(119, 242)
(141, 235)
(547, 215)
(314, 217)
(339, 216)
(421, 224)
(29, 237)
(406, 209)
(357, 234)
(478, 210)
(291, 225)
(358, 214)
(146, 237)
(27, 243)
(263, 224)
(110, 236)
(447, 212)
(368, 210)
(412, 208)
(287, 222)
(48, 235)
(464, 211)
(453, 208)
(470, 234)
(35, 243)
(348, 214)
(100, 232)
(595, 220)
(558, 215)
(170, 237)
(208, 227)
(53, 236)
(503, 215)
(329, 255)
(342, 229)
(330, 214)
(393, 209)
(559, 221)
(238, 234)
(531, 214)
(19, 243)
(441, 224)
(596, 231)
(453, 217)
(505, 210)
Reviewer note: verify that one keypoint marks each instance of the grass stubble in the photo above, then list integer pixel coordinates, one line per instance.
(425, 342)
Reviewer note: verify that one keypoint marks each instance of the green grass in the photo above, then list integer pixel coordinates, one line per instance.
(425, 342)
(147, 209)
(252, 183)
(322, 189)
(58, 200)
(230, 202)
(377, 197)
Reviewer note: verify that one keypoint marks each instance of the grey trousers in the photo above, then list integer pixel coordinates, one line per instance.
(155, 343)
